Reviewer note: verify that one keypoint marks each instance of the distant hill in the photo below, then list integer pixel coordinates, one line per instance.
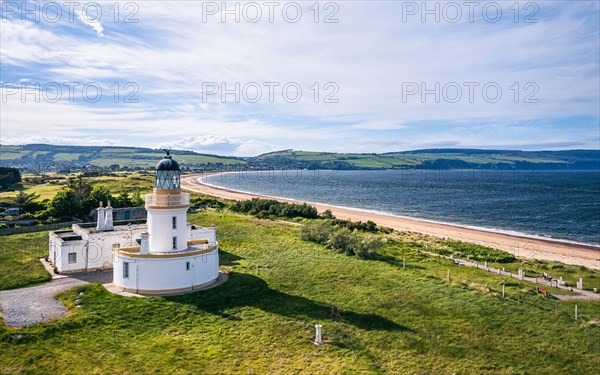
(41, 157)
(433, 159)
(44, 157)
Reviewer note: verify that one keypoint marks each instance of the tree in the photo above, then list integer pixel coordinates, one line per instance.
(65, 204)
(125, 200)
(9, 176)
(26, 201)
(99, 193)
(81, 187)
(137, 198)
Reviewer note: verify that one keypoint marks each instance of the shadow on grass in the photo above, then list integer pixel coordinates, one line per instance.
(248, 290)
(228, 259)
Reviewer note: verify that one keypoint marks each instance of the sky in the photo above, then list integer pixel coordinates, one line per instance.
(245, 78)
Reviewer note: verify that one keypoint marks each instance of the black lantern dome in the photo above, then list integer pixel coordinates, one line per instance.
(167, 164)
(167, 173)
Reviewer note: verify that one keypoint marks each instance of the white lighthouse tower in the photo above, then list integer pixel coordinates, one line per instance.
(173, 256)
(167, 207)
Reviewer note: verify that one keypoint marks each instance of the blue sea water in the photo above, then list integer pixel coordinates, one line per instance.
(557, 204)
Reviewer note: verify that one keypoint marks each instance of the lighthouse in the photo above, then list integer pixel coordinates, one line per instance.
(167, 207)
(173, 256)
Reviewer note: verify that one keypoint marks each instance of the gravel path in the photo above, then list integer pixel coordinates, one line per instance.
(29, 306)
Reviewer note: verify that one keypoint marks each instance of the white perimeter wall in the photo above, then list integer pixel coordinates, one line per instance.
(201, 233)
(156, 274)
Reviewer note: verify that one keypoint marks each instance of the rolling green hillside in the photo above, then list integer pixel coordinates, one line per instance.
(434, 159)
(38, 157)
(48, 157)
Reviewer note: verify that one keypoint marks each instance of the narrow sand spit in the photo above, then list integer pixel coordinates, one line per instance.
(520, 246)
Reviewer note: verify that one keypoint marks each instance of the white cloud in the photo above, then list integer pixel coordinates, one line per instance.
(57, 140)
(169, 57)
(211, 144)
(93, 23)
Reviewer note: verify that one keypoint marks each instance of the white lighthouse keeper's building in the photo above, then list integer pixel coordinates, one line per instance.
(171, 257)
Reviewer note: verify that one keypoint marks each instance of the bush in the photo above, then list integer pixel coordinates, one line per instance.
(477, 252)
(272, 208)
(367, 247)
(341, 239)
(315, 232)
(369, 226)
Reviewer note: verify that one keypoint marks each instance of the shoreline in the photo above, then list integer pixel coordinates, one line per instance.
(520, 245)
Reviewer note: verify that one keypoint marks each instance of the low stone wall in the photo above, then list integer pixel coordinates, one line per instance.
(36, 228)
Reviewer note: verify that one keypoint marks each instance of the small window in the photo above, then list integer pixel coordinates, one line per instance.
(72, 257)
(187, 266)
(174, 243)
(174, 222)
(116, 245)
(125, 270)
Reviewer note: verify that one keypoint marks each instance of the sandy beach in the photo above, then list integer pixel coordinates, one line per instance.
(520, 246)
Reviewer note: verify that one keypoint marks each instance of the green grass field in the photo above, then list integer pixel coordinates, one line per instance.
(117, 183)
(394, 320)
(19, 260)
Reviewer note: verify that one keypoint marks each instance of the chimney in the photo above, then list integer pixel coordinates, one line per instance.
(108, 221)
(144, 244)
(100, 217)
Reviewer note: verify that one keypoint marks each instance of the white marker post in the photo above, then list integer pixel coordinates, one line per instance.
(575, 312)
(503, 290)
(318, 338)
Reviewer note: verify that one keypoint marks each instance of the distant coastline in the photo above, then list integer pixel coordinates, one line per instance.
(518, 243)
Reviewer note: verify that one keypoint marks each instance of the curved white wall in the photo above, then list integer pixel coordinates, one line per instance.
(160, 227)
(156, 275)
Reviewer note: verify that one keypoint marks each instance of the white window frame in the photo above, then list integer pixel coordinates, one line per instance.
(74, 255)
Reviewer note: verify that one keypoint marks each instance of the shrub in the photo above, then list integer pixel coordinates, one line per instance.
(315, 232)
(341, 240)
(273, 208)
(369, 226)
(366, 247)
(477, 252)
(327, 214)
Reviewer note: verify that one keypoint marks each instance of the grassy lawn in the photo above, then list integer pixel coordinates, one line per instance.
(402, 320)
(117, 183)
(19, 260)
